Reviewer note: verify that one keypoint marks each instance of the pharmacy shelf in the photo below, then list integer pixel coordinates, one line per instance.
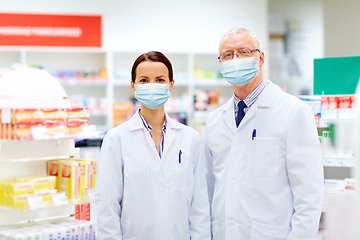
(21, 151)
(11, 217)
(83, 83)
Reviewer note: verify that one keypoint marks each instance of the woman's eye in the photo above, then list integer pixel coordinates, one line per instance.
(161, 80)
(143, 80)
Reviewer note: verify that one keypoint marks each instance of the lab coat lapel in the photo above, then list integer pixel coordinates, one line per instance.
(264, 101)
(136, 124)
(170, 133)
(229, 115)
(252, 111)
(169, 138)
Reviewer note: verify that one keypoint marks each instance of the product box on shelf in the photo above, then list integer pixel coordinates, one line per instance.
(89, 76)
(72, 180)
(29, 124)
(122, 111)
(14, 194)
(90, 174)
(73, 176)
(61, 229)
(41, 182)
(54, 169)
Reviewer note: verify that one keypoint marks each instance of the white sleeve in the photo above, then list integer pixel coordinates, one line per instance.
(110, 184)
(305, 171)
(199, 214)
(210, 178)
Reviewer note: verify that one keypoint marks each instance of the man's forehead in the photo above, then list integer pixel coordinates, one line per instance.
(237, 40)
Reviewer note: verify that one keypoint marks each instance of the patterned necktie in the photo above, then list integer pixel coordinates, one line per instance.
(241, 113)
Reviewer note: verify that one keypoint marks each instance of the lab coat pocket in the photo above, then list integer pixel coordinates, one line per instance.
(184, 173)
(134, 238)
(264, 157)
(260, 231)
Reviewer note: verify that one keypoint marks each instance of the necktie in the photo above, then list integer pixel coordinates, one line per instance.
(241, 113)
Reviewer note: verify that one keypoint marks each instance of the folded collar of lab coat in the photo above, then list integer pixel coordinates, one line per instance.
(264, 100)
(136, 123)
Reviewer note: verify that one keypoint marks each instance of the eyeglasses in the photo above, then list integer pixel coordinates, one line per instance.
(239, 54)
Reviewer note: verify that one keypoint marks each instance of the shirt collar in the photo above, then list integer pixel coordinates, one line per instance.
(147, 125)
(252, 97)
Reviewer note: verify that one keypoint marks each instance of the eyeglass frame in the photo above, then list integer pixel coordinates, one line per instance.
(236, 53)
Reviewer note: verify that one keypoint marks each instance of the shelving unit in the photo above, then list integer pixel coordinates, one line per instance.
(18, 158)
(186, 66)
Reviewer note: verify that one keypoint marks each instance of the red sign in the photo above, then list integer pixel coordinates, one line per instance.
(50, 30)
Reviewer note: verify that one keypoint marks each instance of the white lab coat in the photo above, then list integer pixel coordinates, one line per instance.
(270, 187)
(149, 198)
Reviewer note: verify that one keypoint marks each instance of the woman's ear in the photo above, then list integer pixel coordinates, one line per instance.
(132, 84)
(171, 85)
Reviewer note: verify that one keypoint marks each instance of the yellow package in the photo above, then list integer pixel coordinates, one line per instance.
(83, 176)
(41, 182)
(46, 194)
(2, 194)
(53, 169)
(72, 179)
(90, 174)
(14, 188)
(18, 201)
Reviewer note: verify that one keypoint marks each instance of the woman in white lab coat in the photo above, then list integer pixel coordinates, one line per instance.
(151, 171)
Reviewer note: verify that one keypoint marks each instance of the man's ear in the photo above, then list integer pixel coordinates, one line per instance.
(261, 59)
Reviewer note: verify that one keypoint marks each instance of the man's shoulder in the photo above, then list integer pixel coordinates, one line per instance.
(285, 98)
(215, 115)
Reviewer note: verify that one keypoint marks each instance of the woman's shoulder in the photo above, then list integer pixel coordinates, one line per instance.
(119, 129)
(184, 128)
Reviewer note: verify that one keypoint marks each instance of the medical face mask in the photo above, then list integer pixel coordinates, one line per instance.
(239, 71)
(152, 95)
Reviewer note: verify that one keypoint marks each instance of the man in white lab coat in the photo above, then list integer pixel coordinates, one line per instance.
(264, 166)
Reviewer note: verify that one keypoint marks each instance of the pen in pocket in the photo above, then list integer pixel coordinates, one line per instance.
(180, 156)
(254, 134)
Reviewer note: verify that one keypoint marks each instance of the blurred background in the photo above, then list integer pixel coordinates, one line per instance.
(307, 44)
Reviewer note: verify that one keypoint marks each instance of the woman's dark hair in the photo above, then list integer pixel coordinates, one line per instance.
(152, 56)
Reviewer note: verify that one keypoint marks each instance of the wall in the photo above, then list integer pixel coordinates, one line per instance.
(184, 25)
(342, 24)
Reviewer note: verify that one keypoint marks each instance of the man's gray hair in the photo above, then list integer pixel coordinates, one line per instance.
(238, 30)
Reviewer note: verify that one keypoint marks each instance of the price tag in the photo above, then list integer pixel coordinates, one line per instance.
(39, 133)
(5, 115)
(329, 162)
(35, 202)
(93, 195)
(88, 128)
(60, 199)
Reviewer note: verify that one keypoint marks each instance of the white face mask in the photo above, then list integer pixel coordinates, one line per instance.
(239, 71)
(152, 95)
